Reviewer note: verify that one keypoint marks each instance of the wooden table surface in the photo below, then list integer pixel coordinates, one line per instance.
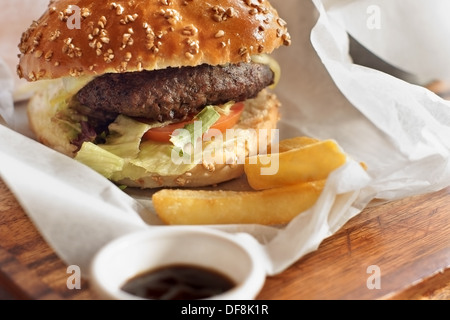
(407, 240)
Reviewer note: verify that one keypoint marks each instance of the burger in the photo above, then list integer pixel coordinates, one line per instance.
(120, 83)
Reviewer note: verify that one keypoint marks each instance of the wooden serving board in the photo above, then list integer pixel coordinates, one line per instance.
(408, 240)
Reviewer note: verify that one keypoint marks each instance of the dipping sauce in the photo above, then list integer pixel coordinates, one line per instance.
(178, 282)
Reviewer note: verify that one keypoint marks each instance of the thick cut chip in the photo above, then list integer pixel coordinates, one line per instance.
(309, 161)
(294, 143)
(268, 207)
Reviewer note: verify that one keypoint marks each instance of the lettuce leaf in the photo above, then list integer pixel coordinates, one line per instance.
(124, 155)
(102, 161)
(125, 137)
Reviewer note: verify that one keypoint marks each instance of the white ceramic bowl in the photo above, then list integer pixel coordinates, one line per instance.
(232, 255)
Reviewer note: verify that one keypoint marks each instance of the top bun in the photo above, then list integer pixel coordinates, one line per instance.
(135, 35)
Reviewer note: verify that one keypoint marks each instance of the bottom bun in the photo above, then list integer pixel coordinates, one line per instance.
(259, 113)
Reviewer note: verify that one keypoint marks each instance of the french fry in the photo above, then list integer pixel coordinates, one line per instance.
(267, 207)
(310, 161)
(294, 143)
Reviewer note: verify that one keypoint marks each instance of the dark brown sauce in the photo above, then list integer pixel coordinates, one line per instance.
(178, 282)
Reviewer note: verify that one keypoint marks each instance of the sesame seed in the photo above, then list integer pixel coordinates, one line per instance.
(74, 72)
(190, 30)
(242, 51)
(279, 33)
(55, 35)
(230, 12)
(281, 22)
(38, 54)
(102, 22)
(127, 40)
(219, 34)
(48, 56)
(209, 166)
(118, 7)
(171, 15)
(181, 182)
(129, 18)
(221, 14)
(85, 12)
(108, 56)
(61, 16)
(286, 39)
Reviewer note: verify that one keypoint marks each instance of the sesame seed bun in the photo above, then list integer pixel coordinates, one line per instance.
(136, 35)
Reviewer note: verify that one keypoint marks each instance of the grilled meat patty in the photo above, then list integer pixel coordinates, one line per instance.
(173, 94)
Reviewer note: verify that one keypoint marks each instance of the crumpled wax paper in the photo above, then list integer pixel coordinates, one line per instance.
(398, 129)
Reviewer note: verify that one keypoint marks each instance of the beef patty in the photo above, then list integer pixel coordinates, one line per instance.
(174, 93)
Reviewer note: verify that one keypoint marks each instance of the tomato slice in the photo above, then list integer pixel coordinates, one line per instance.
(163, 134)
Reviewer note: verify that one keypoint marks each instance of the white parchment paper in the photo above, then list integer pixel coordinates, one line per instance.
(400, 130)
